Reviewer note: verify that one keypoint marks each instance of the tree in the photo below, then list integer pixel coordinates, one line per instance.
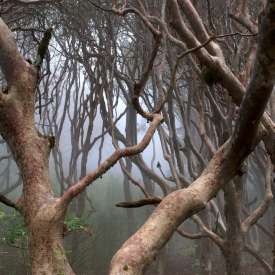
(176, 207)
(44, 214)
(156, 78)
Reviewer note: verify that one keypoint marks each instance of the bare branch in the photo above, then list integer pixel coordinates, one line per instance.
(262, 208)
(140, 85)
(79, 186)
(266, 266)
(181, 204)
(209, 233)
(192, 236)
(9, 203)
(139, 203)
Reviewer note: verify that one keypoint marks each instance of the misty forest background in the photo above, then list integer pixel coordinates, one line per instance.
(84, 103)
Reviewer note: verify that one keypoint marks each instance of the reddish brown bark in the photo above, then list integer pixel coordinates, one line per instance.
(138, 251)
(43, 212)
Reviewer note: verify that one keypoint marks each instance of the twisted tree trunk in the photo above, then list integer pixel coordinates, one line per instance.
(43, 213)
(139, 251)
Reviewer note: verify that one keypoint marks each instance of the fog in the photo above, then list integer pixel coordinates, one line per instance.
(107, 72)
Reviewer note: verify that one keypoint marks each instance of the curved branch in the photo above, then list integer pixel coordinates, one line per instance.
(266, 266)
(139, 251)
(228, 80)
(260, 211)
(209, 233)
(9, 203)
(79, 186)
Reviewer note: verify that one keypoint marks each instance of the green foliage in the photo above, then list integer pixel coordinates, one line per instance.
(74, 223)
(13, 231)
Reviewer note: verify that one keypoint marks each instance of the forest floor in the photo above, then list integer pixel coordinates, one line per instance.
(190, 268)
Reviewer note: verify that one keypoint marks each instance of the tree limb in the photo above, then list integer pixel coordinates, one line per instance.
(9, 203)
(140, 249)
(261, 209)
(79, 186)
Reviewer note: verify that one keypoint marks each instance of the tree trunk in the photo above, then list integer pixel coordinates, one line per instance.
(234, 236)
(48, 256)
(205, 247)
(131, 138)
(44, 216)
(43, 213)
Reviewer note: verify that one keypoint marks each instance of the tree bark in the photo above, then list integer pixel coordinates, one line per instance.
(43, 213)
(139, 251)
(48, 256)
(234, 238)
